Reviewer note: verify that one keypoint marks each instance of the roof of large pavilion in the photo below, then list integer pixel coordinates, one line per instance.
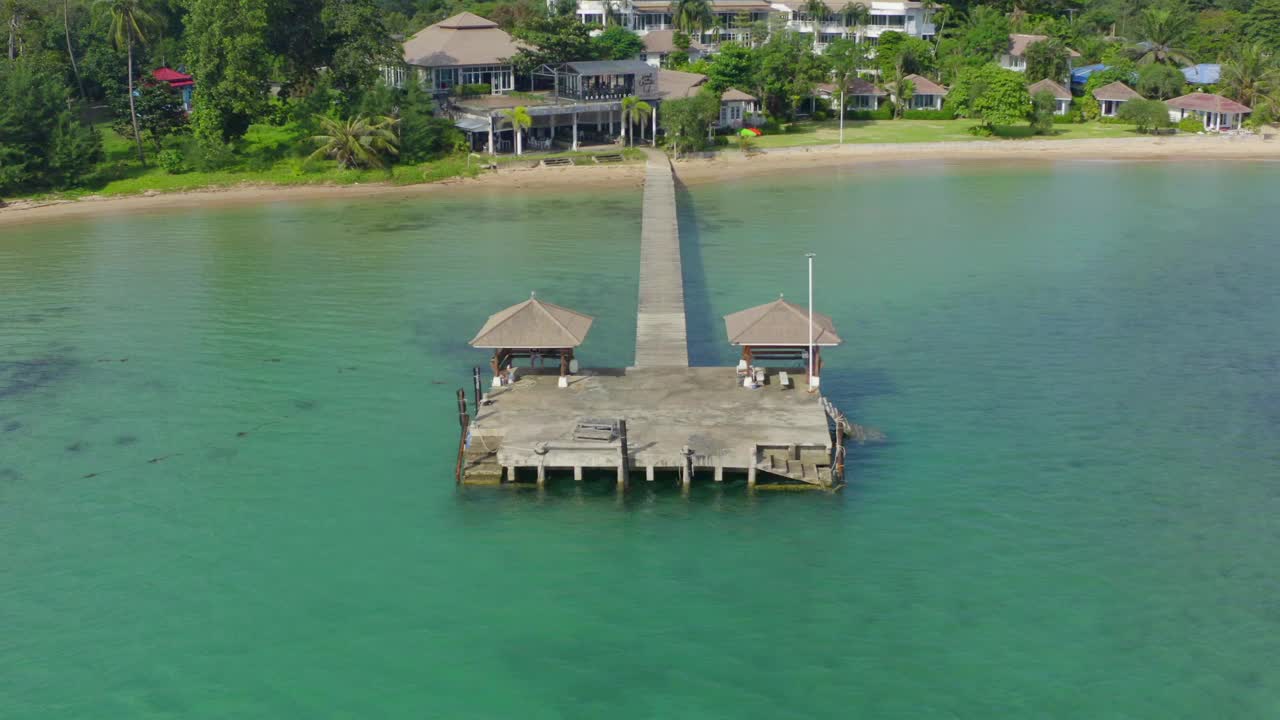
(533, 324)
(779, 323)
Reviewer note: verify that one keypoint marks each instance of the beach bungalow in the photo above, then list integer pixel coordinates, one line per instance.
(1061, 95)
(465, 49)
(659, 44)
(779, 332)
(1216, 112)
(182, 83)
(1015, 58)
(535, 330)
(926, 94)
(1111, 96)
(861, 95)
(737, 109)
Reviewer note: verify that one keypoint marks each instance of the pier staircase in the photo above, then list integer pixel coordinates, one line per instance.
(807, 465)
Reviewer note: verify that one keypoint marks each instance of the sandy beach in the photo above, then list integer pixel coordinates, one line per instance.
(726, 165)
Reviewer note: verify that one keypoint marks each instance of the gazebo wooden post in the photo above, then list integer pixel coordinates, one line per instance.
(564, 367)
(496, 364)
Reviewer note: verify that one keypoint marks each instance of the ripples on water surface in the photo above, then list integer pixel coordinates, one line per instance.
(1078, 366)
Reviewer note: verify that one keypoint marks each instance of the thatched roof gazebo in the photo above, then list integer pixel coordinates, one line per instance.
(532, 329)
(779, 331)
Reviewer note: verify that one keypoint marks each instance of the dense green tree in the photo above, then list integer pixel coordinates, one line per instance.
(991, 94)
(787, 72)
(1263, 24)
(618, 43)
(160, 113)
(1147, 115)
(422, 135)
(553, 40)
(733, 66)
(1214, 33)
(1043, 107)
(358, 43)
(985, 33)
(913, 54)
(42, 142)
(1160, 81)
(1003, 100)
(1048, 59)
(227, 52)
(686, 121)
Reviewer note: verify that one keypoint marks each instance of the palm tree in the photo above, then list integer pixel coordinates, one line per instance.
(692, 15)
(817, 11)
(66, 29)
(1163, 31)
(520, 121)
(855, 15)
(1251, 76)
(903, 89)
(633, 109)
(846, 57)
(129, 23)
(356, 143)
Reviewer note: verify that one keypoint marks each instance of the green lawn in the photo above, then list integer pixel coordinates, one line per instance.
(272, 155)
(827, 132)
(268, 155)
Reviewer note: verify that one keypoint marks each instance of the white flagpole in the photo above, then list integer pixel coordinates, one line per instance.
(810, 256)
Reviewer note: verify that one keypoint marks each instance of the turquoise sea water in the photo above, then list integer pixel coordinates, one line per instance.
(226, 443)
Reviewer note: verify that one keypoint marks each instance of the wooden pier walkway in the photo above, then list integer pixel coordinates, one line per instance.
(661, 339)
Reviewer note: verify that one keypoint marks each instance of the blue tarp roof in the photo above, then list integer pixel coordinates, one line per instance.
(1202, 74)
(1080, 75)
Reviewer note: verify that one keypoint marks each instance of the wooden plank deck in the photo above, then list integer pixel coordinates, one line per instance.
(661, 339)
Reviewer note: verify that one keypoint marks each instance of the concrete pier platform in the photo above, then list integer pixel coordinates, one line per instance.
(727, 427)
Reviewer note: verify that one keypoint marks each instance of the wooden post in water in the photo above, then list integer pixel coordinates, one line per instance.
(463, 421)
(751, 469)
(475, 381)
(624, 462)
(686, 467)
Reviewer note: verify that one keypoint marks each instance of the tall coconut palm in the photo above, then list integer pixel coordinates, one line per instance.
(520, 120)
(360, 142)
(130, 23)
(71, 55)
(1252, 76)
(1162, 31)
(817, 11)
(903, 88)
(692, 16)
(633, 110)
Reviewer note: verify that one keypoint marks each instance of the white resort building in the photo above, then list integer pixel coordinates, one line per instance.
(733, 18)
(465, 49)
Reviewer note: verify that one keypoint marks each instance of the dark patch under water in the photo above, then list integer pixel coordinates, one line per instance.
(21, 377)
(305, 404)
(123, 440)
(12, 426)
(77, 446)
